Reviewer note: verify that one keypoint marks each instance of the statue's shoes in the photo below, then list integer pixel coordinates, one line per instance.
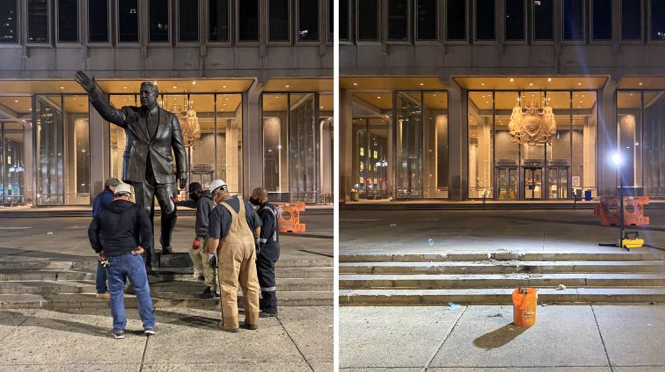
(167, 250)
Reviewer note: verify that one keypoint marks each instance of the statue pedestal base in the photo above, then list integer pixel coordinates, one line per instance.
(173, 260)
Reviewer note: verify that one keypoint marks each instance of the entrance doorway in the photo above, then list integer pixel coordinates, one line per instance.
(557, 182)
(506, 179)
(533, 181)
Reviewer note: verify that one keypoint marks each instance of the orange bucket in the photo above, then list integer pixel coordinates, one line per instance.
(524, 307)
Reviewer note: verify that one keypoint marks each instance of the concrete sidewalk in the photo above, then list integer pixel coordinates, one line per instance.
(598, 338)
(300, 339)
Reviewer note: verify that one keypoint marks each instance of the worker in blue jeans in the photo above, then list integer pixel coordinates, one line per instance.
(120, 234)
(101, 201)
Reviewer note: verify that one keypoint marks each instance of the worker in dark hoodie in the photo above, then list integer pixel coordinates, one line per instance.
(120, 234)
(202, 201)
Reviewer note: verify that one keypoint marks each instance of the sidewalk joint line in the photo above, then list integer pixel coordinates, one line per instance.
(609, 363)
(294, 343)
(426, 368)
(20, 324)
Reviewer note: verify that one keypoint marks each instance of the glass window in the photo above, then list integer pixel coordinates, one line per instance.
(456, 19)
(98, 21)
(559, 152)
(602, 19)
(290, 141)
(119, 152)
(331, 20)
(368, 20)
(248, 20)
(631, 20)
(229, 140)
(435, 132)
(370, 157)
(409, 130)
(189, 20)
(219, 20)
(50, 156)
(514, 20)
(485, 20)
(8, 14)
(279, 20)
(584, 124)
(38, 21)
(308, 20)
(343, 19)
(629, 122)
(507, 153)
(67, 20)
(128, 21)
(159, 20)
(11, 156)
(397, 20)
(427, 19)
(573, 20)
(543, 12)
(481, 142)
(657, 19)
(77, 149)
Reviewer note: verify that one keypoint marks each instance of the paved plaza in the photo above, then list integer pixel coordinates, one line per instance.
(410, 231)
(79, 339)
(598, 338)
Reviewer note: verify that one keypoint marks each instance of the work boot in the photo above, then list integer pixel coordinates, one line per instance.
(231, 330)
(167, 250)
(265, 314)
(208, 293)
(251, 327)
(103, 296)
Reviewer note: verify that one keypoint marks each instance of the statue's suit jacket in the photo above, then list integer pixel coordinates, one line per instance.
(158, 145)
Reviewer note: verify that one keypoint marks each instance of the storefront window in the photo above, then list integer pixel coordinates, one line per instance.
(11, 159)
(435, 156)
(584, 123)
(559, 152)
(77, 149)
(291, 146)
(50, 152)
(640, 116)
(481, 143)
(409, 132)
(229, 140)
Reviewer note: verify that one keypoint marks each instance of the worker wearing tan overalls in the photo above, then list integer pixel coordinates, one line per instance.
(233, 229)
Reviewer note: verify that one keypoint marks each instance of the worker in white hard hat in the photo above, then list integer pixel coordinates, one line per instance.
(232, 233)
(120, 234)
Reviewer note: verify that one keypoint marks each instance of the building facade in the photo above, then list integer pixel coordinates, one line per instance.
(255, 76)
(429, 89)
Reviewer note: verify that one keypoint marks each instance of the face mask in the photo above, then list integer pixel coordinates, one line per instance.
(254, 201)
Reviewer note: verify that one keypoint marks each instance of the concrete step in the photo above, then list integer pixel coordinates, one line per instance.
(484, 281)
(77, 301)
(305, 272)
(497, 296)
(482, 256)
(500, 267)
(61, 286)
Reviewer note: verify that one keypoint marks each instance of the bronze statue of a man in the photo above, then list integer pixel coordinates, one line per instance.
(154, 133)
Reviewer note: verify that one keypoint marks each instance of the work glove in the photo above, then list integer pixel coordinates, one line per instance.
(196, 244)
(212, 260)
(258, 247)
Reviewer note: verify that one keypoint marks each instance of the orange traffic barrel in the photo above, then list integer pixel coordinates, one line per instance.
(524, 306)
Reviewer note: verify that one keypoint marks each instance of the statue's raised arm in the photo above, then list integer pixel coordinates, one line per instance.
(105, 109)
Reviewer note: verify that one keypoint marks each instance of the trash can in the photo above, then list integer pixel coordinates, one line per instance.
(524, 307)
(354, 195)
(587, 195)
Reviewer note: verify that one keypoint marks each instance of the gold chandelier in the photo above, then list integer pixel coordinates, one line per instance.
(532, 125)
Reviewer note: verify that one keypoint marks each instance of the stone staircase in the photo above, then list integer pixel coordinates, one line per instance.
(71, 284)
(489, 278)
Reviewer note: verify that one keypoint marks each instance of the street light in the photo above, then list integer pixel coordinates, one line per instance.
(617, 159)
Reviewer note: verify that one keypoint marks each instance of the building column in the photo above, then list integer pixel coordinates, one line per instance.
(98, 156)
(457, 152)
(607, 139)
(252, 140)
(345, 144)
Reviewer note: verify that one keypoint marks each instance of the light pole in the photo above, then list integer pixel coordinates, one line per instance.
(618, 161)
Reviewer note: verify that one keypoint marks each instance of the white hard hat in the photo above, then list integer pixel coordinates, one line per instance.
(123, 188)
(214, 185)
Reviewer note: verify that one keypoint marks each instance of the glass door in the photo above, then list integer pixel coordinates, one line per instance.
(507, 182)
(558, 183)
(533, 183)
